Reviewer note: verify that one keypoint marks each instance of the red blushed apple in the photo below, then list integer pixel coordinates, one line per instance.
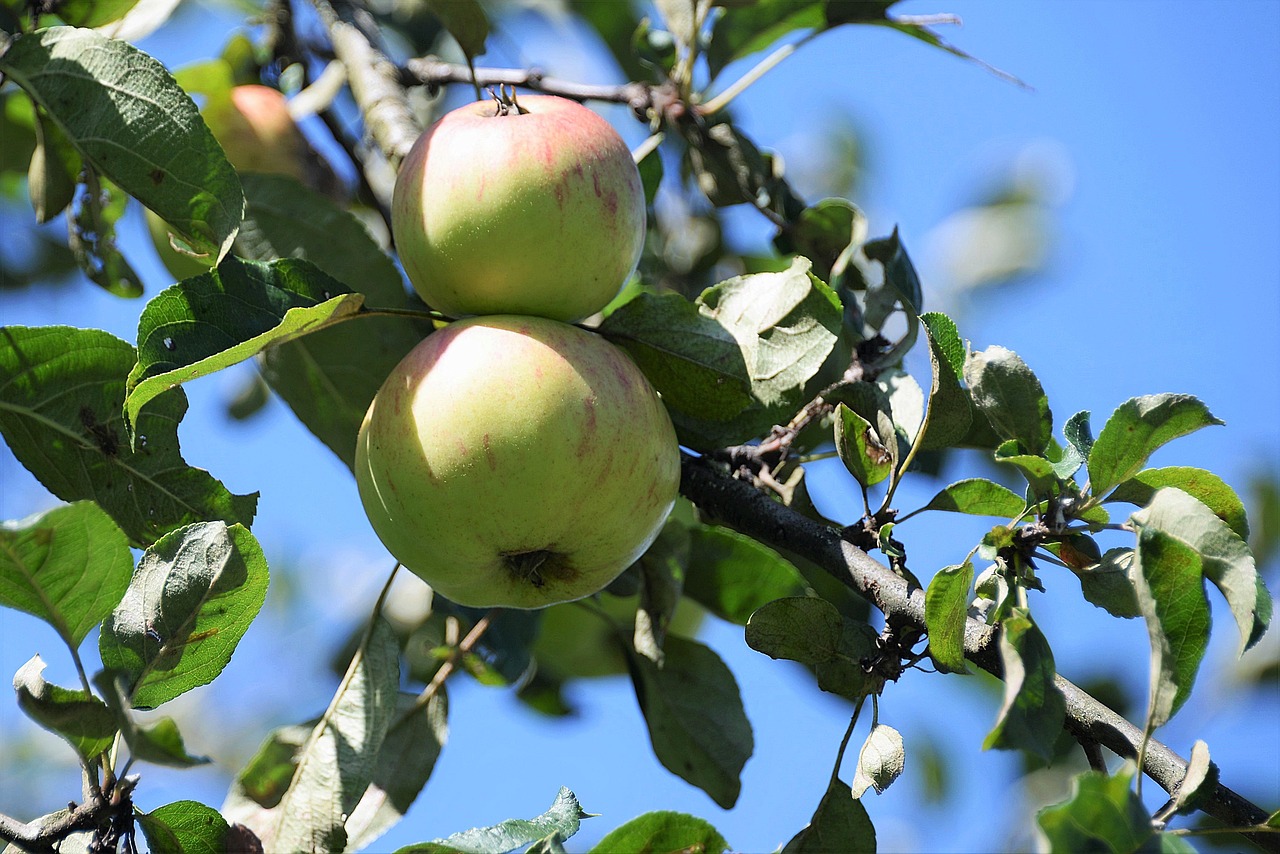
(527, 208)
(516, 462)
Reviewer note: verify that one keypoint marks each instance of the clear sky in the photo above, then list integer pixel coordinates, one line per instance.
(1161, 124)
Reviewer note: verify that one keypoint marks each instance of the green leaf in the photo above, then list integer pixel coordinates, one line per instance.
(747, 28)
(786, 324)
(1011, 397)
(864, 452)
(217, 319)
(825, 233)
(69, 566)
(979, 497)
(1103, 814)
(1039, 471)
(801, 628)
(51, 174)
(78, 716)
(880, 761)
(950, 411)
(185, 827)
(661, 574)
(132, 122)
(650, 166)
(93, 13)
(564, 818)
(1078, 434)
(284, 219)
(693, 361)
(696, 721)
(336, 765)
(62, 393)
(732, 575)
(1204, 486)
(660, 832)
(91, 236)
(1136, 429)
(1109, 583)
(405, 761)
(465, 20)
(258, 788)
(158, 742)
(193, 597)
(1168, 578)
(901, 287)
(1033, 710)
(946, 608)
(1226, 558)
(840, 823)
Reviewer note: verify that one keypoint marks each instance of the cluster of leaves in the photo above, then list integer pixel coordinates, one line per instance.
(813, 340)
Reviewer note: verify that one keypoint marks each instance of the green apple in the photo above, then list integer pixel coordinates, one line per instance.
(516, 462)
(527, 208)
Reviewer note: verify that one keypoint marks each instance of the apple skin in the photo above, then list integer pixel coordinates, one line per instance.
(515, 461)
(537, 213)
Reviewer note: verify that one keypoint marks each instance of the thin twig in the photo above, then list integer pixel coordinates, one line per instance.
(432, 72)
(451, 663)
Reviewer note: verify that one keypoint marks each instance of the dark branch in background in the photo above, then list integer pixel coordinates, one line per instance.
(739, 506)
(731, 502)
(434, 73)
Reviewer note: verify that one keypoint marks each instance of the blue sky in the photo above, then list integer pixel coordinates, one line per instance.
(1161, 121)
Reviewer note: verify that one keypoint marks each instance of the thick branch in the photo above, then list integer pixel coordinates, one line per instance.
(737, 505)
(373, 78)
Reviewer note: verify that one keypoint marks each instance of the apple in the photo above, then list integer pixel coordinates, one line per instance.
(253, 125)
(516, 462)
(533, 207)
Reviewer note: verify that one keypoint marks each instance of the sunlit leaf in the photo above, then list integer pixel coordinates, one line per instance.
(1011, 397)
(980, 497)
(732, 575)
(76, 715)
(1136, 429)
(192, 598)
(880, 761)
(946, 609)
(563, 818)
(185, 827)
(663, 831)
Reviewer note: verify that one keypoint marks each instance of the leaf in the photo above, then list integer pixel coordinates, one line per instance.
(1226, 558)
(93, 13)
(466, 21)
(696, 721)
(405, 761)
(185, 827)
(1011, 397)
(1038, 470)
(91, 236)
(192, 598)
(1034, 708)
(158, 742)
(979, 497)
(78, 716)
(732, 575)
(62, 393)
(880, 761)
(824, 233)
(1205, 486)
(51, 174)
(785, 323)
(946, 608)
(863, 451)
(260, 785)
(1168, 578)
(693, 361)
(900, 287)
(660, 832)
(1078, 434)
(840, 823)
(1136, 429)
(337, 763)
(751, 27)
(69, 566)
(800, 628)
(950, 410)
(661, 573)
(564, 817)
(125, 114)
(1199, 781)
(1103, 814)
(1109, 583)
(284, 219)
(217, 319)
